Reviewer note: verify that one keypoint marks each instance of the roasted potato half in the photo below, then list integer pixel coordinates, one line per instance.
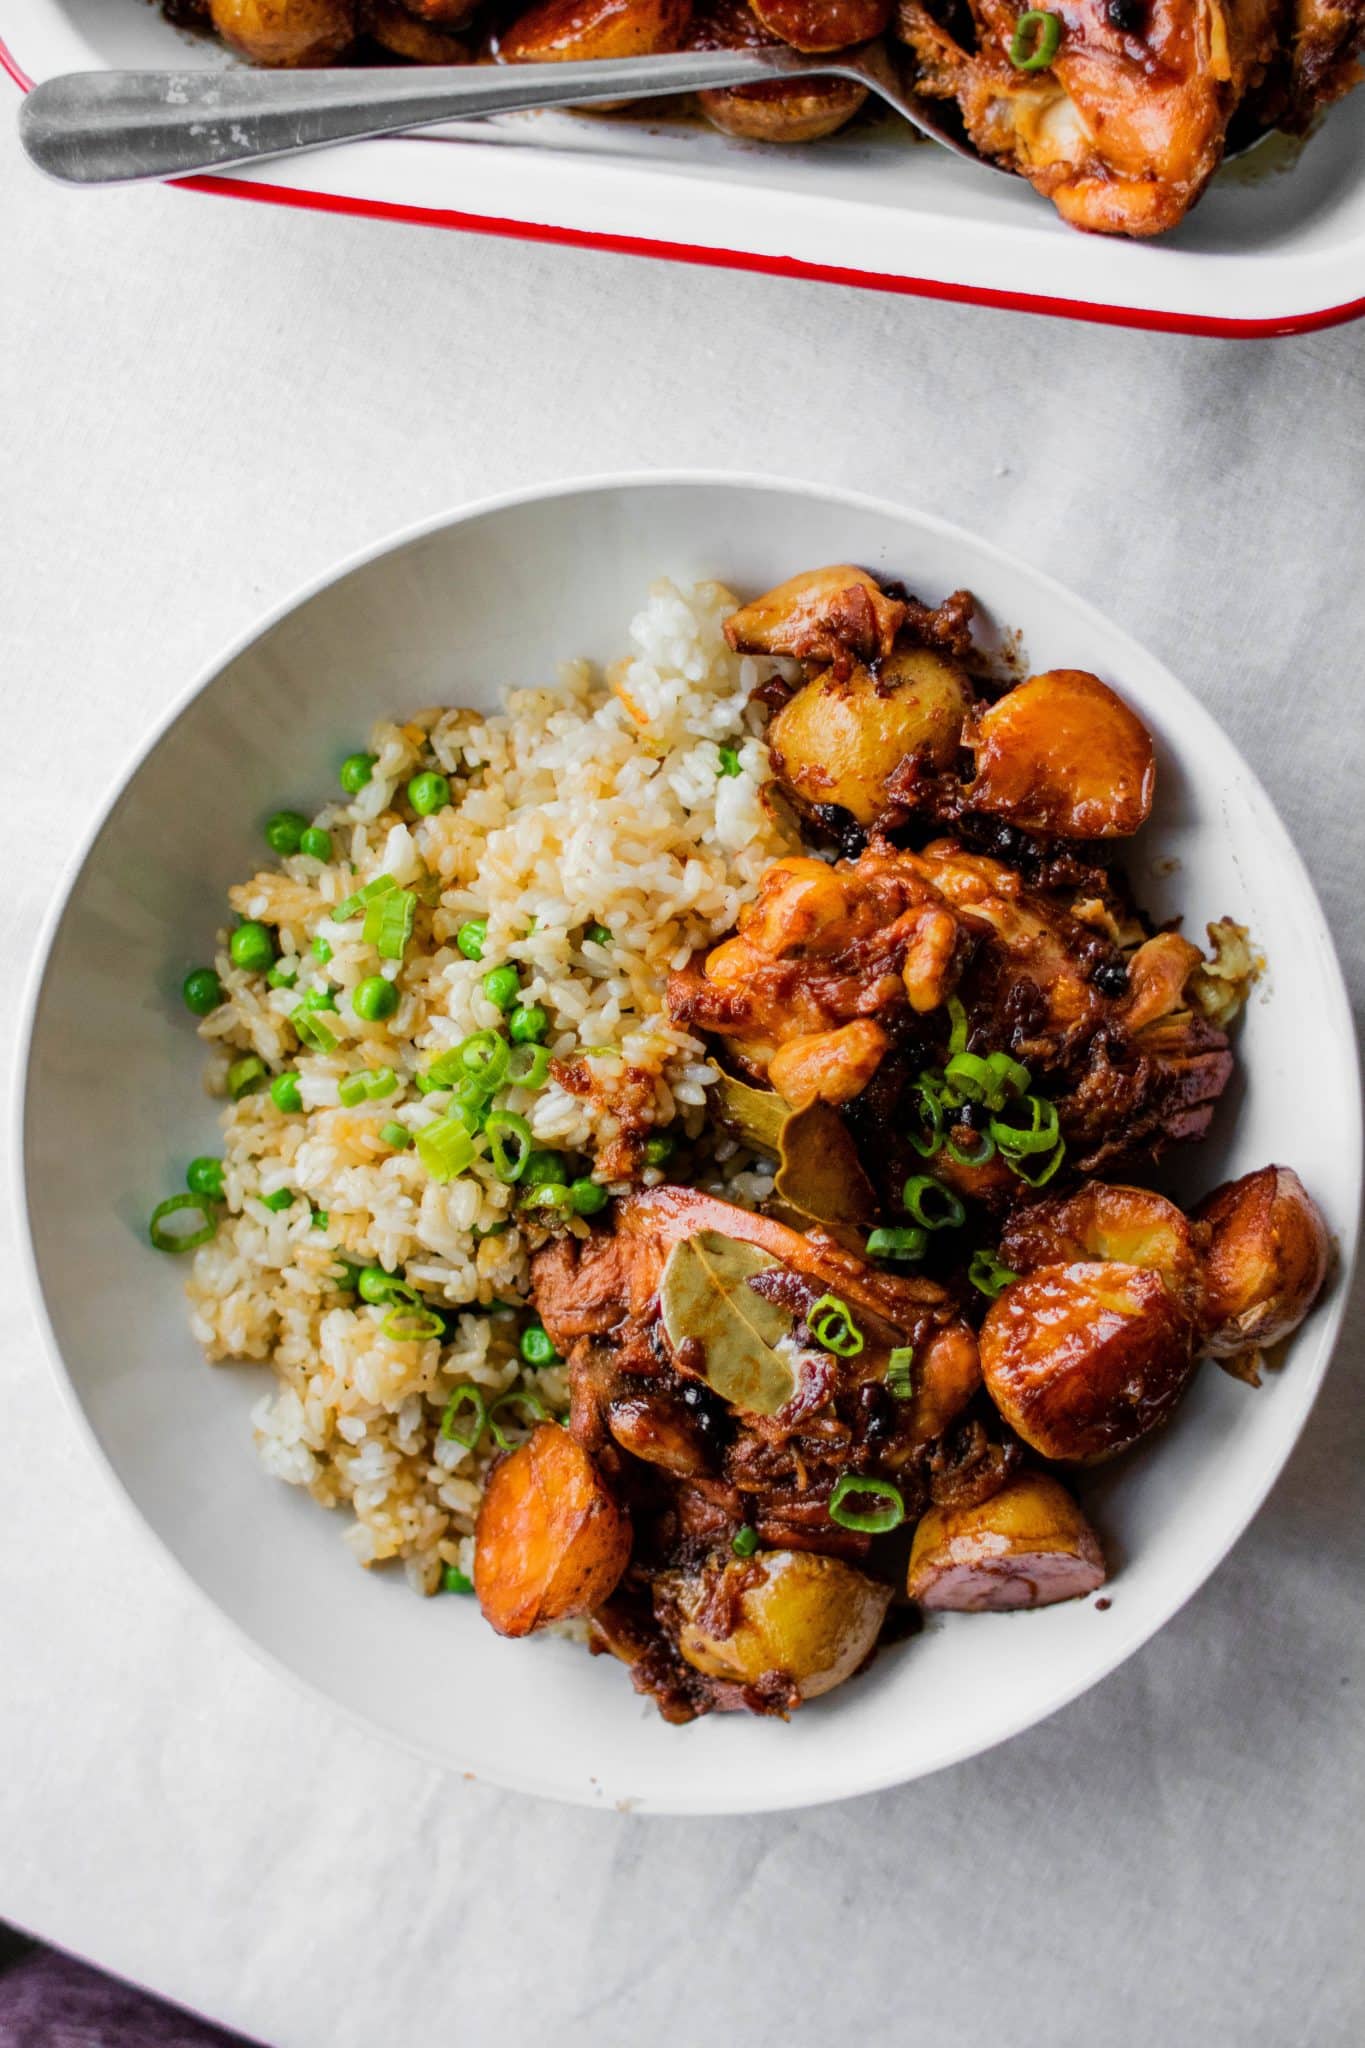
(1265, 1259)
(823, 613)
(1084, 1359)
(837, 741)
(812, 1618)
(1027, 1546)
(1106, 1222)
(1062, 754)
(561, 31)
(404, 35)
(823, 24)
(291, 34)
(551, 1541)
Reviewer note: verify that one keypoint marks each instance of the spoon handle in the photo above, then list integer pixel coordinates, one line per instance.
(115, 127)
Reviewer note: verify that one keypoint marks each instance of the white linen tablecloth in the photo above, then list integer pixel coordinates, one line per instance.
(202, 403)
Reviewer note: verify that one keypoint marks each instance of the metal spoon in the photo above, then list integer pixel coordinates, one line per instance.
(115, 127)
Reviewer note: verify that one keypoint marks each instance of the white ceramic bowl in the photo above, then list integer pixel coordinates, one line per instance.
(114, 1108)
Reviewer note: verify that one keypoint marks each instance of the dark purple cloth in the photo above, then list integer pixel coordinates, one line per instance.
(52, 2001)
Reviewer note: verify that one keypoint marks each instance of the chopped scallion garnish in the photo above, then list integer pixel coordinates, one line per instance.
(182, 1240)
(445, 1148)
(831, 1324)
(900, 1372)
(874, 1521)
(931, 1204)
(989, 1273)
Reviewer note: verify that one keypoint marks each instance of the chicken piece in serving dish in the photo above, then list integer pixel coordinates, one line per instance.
(1115, 110)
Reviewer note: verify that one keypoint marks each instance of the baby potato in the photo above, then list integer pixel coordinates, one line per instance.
(1084, 1359)
(1265, 1261)
(401, 33)
(822, 613)
(837, 741)
(562, 31)
(1062, 754)
(1027, 1546)
(288, 33)
(550, 1541)
(823, 24)
(811, 1617)
(440, 13)
(1105, 1222)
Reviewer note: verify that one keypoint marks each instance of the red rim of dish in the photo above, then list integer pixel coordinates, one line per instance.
(743, 259)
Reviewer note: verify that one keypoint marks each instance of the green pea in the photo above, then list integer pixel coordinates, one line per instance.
(204, 1176)
(659, 1151)
(528, 1024)
(282, 977)
(453, 1580)
(316, 842)
(374, 999)
(321, 950)
(284, 1093)
(252, 947)
(356, 771)
(375, 1285)
(502, 985)
(428, 792)
(318, 999)
(600, 934)
(588, 1196)
(729, 761)
(541, 1168)
(202, 990)
(397, 1135)
(472, 937)
(536, 1346)
(283, 1198)
(284, 832)
(744, 1542)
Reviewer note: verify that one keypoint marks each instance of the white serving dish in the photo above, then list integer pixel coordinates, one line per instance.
(1269, 251)
(450, 613)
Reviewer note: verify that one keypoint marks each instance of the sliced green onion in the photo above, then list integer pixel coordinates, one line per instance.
(729, 761)
(1036, 40)
(931, 1204)
(1040, 1135)
(472, 937)
(319, 999)
(397, 1135)
(1044, 1174)
(988, 1273)
(898, 1244)
(283, 1198)
(658, 1151)
(246, 1077)
(320, 1219)
(519, 1397)
(900, 1368)
(537, 1346)
(281, 976)
(744, 1542)
(370, 1085)
(178, 1240)
(310, 1031)
(927, 1142)
(453, 1580)
(1015, 1077)
(445, 1148)
(969, 1074)
(874, 1521)
(351, 1091)
(384, 1290)
(510, 1144)
(363, 897)
(406, 1325)
(388, 923)
(464, 1397)
(484, 1057)
(470, 1103)
(831, 1323)
(982, 1155)
(528, 1066)
(957, 1036)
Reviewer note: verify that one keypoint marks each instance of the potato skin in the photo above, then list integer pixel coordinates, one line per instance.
(823, 24)
(1105, 1221)
(563, 31)
(1265, 1260)
(811, 1617)
(1084, 1359)
(1027, 1546)
(551, 1542)
(822, 613)
(400, 32)
(1061, 753)
(290, 34)
(837, 741)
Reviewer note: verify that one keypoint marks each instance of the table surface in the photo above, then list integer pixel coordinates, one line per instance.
(202, 404)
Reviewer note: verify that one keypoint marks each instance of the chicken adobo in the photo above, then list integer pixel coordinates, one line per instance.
(1116, 110)
(795, 1426)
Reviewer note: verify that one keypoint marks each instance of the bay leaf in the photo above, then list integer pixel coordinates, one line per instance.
(757, 1114)
(820, 1178)
(705, 1296)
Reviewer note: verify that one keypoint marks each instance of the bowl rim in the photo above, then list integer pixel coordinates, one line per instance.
(890, 1772)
